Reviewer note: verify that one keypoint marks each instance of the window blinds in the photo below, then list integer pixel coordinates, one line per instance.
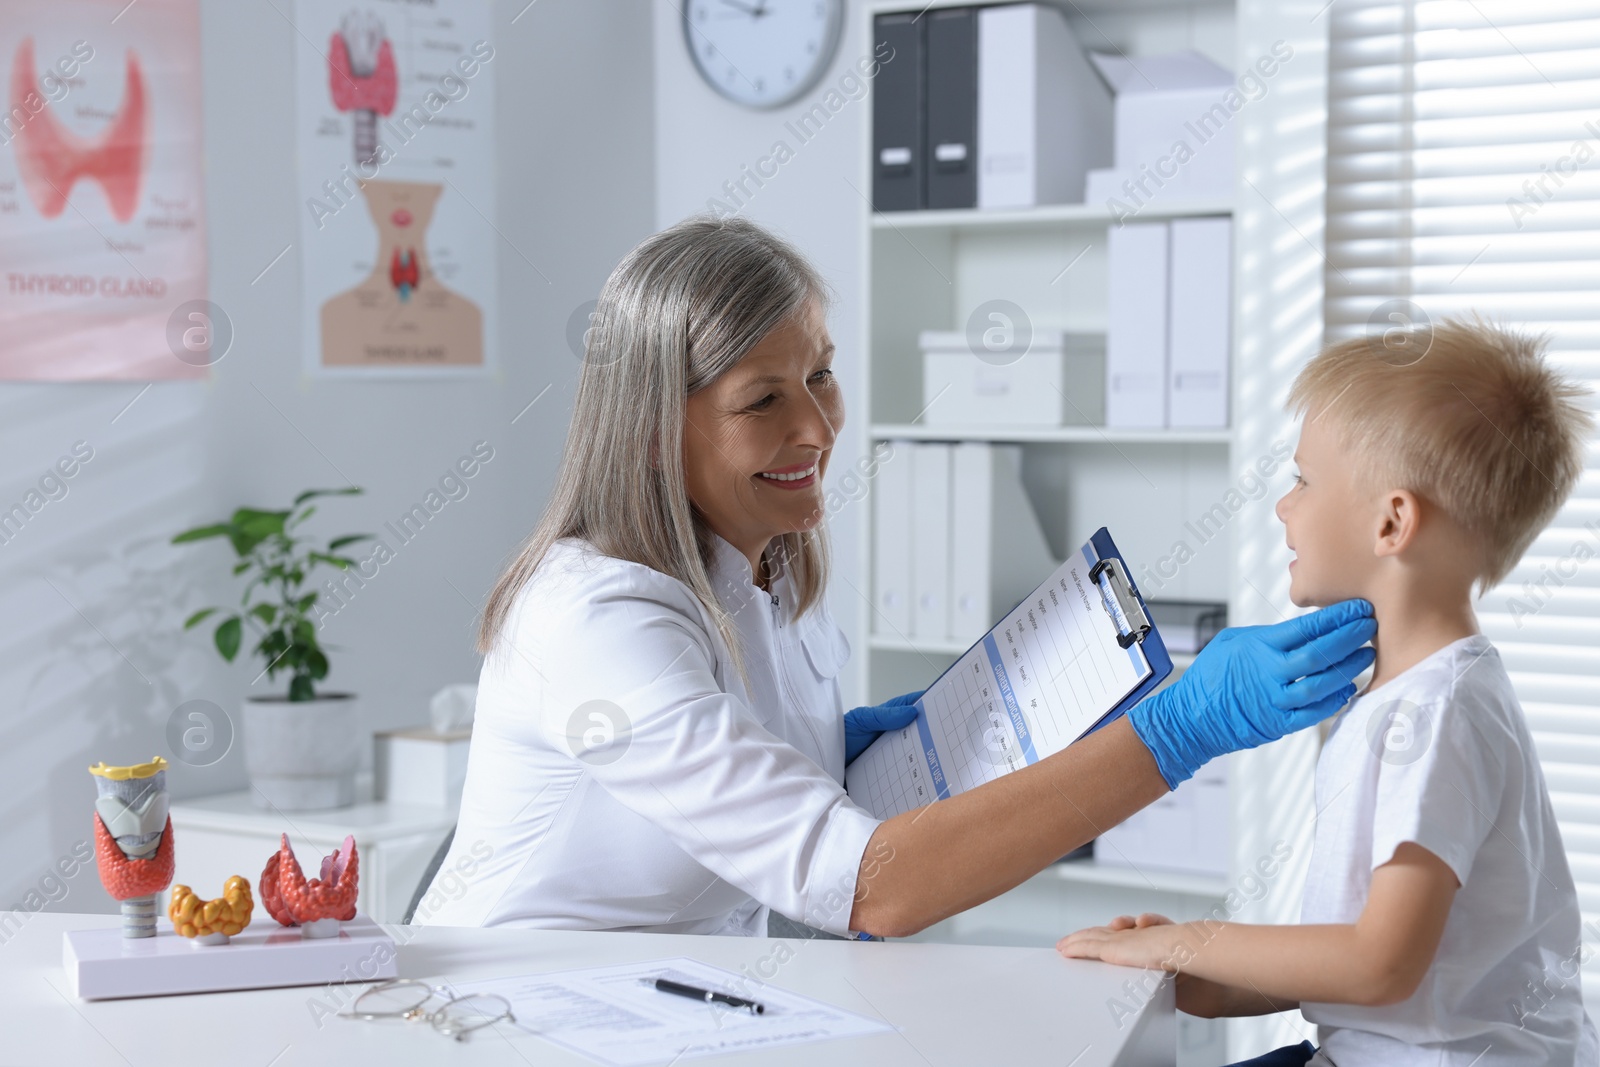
(1463, 175)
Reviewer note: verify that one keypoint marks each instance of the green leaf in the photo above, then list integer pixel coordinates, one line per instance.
(272, 645)
(311, 493)
(317, 664)
(305, 633)
(251, 527)
(227, 637)
(243, 541)
(339, 542)
(198, 617)
(300, 688)
(200, 533)
(265, 612)
(257, 518)
(304, 603)
(342, 562)
(242, 566)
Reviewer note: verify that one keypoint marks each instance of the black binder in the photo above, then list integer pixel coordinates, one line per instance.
(951, 145)
(897, 99)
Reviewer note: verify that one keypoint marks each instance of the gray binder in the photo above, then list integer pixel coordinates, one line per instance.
(897, 138)
(952, 107)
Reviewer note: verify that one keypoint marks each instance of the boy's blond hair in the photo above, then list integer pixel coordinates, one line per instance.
(1479, 426)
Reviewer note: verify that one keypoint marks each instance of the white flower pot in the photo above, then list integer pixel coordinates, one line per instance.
(302, 755)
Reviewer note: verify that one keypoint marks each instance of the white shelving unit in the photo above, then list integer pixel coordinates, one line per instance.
(930, 270)
(1031, 218)
(1049, 434)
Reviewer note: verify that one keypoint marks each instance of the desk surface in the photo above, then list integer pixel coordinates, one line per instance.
(954, 1004)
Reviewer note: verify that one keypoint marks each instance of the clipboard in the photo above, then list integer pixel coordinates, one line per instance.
(1072, 656)
(1125, 604)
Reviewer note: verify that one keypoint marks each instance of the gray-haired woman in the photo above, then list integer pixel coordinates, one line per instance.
(660, 742)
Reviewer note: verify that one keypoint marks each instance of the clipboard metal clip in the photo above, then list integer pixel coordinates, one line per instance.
(1120, 601)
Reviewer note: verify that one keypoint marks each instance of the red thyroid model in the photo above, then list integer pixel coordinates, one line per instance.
(292, 900)
(51, 158)
(124, 878)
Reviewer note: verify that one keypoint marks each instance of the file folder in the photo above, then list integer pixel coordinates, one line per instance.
(951, 148)
(1044, 115)
(930, 541)
(1076, 654)
(1197, 372)
(891, 565)
(997, 550)
(1136, 333)
(897, 103)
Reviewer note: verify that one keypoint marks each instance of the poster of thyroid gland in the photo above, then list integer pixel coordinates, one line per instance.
(395, 113)
(102, 225)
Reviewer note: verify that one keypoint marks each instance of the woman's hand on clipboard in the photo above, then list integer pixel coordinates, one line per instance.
(1254, 684)
(863, 725)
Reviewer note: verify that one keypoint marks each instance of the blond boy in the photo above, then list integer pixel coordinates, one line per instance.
(1439, 923)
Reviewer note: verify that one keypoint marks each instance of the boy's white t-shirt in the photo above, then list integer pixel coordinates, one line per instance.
(1442, 757)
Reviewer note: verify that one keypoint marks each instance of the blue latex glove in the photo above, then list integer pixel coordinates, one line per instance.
(1254, 684)
(863, 725)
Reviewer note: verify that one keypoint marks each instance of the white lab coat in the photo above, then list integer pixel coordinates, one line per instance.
(709, 805)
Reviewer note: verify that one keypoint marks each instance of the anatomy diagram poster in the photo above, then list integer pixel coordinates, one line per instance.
(395, 113)
(102, 226)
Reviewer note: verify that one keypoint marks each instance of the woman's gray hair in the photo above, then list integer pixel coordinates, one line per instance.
(676, 314)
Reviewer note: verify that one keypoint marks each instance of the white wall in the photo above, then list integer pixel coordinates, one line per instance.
(92, 661)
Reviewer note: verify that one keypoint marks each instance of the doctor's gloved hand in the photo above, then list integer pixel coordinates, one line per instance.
(863, 725)
(1254, 684)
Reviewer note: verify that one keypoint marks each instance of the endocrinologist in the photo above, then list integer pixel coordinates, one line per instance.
(660, 742)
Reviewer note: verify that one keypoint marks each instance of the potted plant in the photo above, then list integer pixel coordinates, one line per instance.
(301, 748)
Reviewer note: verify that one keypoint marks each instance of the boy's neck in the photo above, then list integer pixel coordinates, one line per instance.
(1413, 625)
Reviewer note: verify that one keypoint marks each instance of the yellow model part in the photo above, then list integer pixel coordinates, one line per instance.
(137, 770)
(227, 914)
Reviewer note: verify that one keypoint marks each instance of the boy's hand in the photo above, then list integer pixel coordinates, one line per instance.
(1149, 941)
(1195, 995)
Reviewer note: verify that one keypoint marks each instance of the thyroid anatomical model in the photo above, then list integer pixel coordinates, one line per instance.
(316, 906)
(133, 844)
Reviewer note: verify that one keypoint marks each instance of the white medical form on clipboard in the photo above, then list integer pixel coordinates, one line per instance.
(1076, 653)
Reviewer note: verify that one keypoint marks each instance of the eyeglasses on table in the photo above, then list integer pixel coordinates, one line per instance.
(405, 998)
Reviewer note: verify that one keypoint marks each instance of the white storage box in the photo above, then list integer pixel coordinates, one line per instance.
(1162, 102)
(1058, 381)
(420, 766)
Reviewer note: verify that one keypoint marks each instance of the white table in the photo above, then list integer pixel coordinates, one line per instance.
(963, 1005)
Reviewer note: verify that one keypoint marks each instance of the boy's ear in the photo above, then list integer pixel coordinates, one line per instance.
(1399, 521)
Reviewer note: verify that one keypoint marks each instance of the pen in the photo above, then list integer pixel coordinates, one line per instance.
(707, 995)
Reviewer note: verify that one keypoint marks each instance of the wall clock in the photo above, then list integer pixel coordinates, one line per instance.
(762, 53)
